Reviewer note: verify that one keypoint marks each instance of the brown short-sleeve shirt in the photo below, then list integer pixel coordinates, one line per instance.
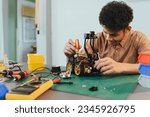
(127, 50)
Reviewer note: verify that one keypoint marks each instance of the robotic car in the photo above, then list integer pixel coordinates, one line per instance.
(83, 64)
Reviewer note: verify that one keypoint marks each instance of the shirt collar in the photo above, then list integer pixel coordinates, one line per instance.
(123, 42)
(126, 37)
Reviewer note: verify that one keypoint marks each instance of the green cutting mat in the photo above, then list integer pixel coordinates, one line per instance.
(109, 87)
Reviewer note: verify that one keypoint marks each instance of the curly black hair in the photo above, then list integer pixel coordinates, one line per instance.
(116, 15)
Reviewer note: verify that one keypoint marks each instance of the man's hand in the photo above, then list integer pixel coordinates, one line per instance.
(70, 49)
(108, 66)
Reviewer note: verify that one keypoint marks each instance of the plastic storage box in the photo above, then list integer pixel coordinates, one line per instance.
(35, 61)
(144, 58)
(35, 58)
(144, 81)
(144, 69)
(34, 66)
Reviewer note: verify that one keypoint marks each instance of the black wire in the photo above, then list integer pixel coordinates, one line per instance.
(40, 68)
(43, 76)
(36, 71)
(17, 67)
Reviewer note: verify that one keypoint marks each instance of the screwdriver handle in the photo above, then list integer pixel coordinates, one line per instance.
(77, 44)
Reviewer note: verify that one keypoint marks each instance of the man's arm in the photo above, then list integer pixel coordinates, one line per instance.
(108, 66)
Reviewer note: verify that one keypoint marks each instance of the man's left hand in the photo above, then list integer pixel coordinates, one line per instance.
(108, 66)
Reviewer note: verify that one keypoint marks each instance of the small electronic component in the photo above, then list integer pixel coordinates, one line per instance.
(83, 86)
(66, 74)
(93, 88)
(56, 70)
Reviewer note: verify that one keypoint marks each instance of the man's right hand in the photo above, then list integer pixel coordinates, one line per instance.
(70, 49)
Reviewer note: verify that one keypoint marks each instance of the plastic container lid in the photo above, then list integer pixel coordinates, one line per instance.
(3, 91)
(144, 81)
(144, 58)
(144, 69)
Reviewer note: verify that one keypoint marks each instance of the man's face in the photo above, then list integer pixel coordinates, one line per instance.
(114, 37)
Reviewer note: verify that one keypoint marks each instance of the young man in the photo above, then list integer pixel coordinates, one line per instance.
(118, 46)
